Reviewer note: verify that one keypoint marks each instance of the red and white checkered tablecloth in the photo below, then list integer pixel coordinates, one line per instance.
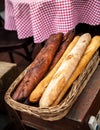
(41, 18)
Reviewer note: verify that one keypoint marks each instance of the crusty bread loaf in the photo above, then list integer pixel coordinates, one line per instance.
(64, 72)
(39, 67)
(39, 89)
(66, 35)
(69, 37)
(91, 49)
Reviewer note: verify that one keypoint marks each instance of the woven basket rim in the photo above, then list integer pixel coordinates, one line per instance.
(55, 112)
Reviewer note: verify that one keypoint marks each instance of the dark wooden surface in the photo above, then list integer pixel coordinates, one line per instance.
(87, 104)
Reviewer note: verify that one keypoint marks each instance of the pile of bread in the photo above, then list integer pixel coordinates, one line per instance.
(58, 64)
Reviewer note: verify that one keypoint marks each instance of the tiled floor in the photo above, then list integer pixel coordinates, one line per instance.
(22, 64)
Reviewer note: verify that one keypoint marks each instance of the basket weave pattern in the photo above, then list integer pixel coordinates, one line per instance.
(59, 111)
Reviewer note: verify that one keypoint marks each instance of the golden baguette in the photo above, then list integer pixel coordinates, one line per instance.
(91, 49)
(64, 72)
(38, 91)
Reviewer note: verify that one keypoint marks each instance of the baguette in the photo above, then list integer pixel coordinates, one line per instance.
(69, 37)
(67, 34)
(64, 72)
(91, 49)
(39, 89)
(38, 68)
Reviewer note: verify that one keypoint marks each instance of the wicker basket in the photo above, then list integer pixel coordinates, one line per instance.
(59, 111)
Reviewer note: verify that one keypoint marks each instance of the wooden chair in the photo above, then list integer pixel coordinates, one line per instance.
(10, 43)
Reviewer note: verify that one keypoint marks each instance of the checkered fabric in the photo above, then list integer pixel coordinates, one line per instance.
(41, 18)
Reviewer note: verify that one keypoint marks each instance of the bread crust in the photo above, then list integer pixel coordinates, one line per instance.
(64, 72)
(40, 88)
(91, 49)
(38, 67)
(68, 38)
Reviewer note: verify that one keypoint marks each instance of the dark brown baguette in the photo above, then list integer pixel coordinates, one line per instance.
(38, 67)
(66, 41)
